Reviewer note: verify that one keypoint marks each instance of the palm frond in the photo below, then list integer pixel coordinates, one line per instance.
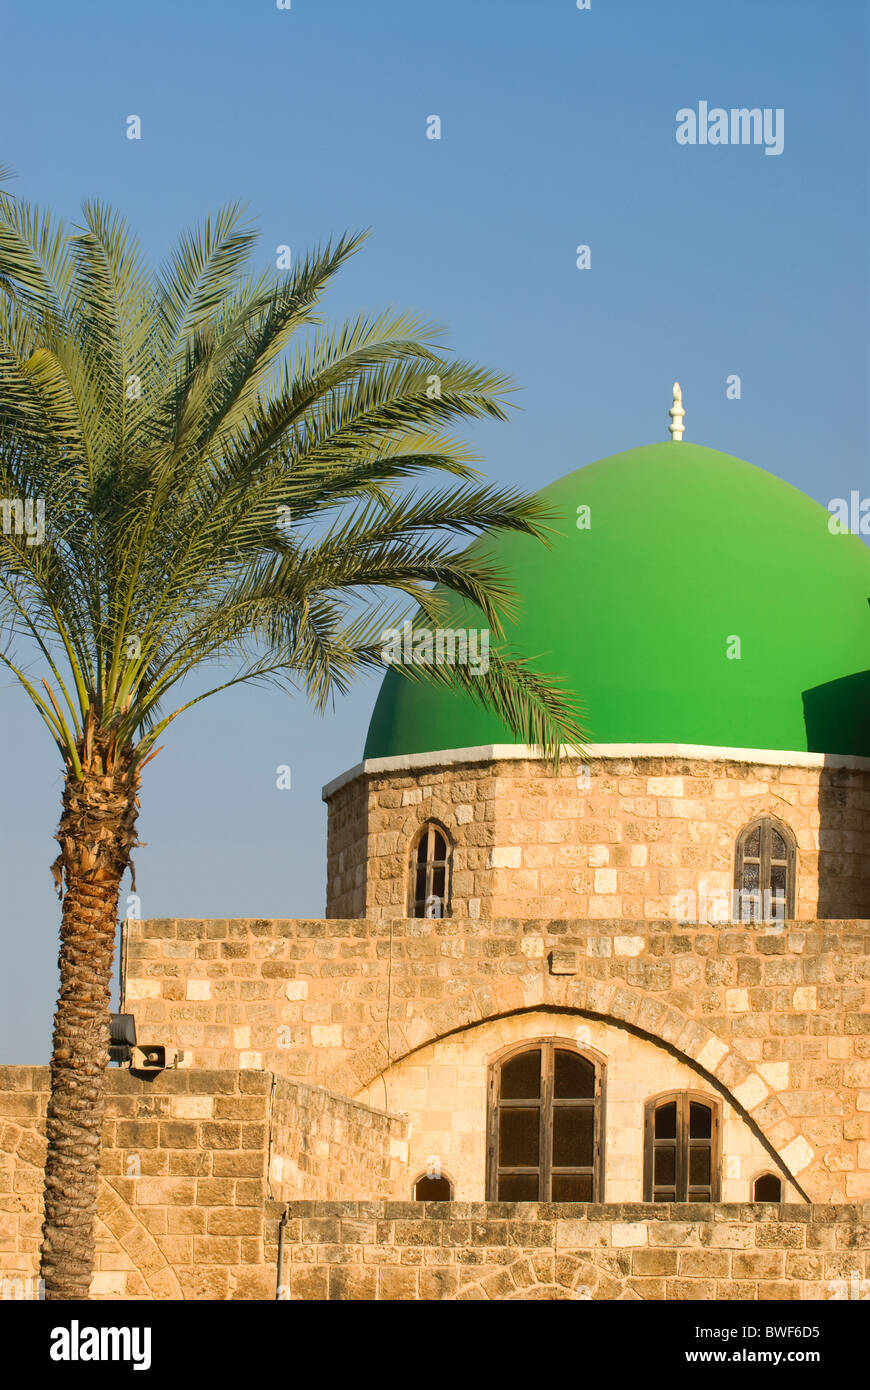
(229, 481)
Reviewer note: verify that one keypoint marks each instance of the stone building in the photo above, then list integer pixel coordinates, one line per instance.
(590, 1031)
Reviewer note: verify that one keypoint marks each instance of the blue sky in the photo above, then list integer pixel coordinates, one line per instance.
(558, 129)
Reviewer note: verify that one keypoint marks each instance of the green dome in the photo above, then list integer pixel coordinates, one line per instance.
(687, 548)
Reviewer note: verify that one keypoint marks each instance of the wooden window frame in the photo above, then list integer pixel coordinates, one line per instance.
(683, 1143)
(428, 830)
(765, 824)
(546, 1103)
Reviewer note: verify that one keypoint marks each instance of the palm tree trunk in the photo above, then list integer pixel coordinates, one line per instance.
(96, 836)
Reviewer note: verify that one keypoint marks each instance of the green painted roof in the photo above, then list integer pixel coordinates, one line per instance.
(687, 548)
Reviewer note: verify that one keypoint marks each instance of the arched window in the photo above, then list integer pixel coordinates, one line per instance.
(430, 873)
(764, 871)
(767, 1188)
(545, 1140)
(429, 1188)
(681, 1148)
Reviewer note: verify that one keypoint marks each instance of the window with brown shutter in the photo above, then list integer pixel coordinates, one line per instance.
(681, 1148)
(545, 1141)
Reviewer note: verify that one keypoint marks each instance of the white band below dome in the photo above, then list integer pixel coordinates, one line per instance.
(506, 752)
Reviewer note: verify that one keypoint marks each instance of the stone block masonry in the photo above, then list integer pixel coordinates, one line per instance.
(182, 1183)
(328, 1061)
(778, 1018)
(186, 1211)
(527, 1250)
(184, 1176)
(620, 837)
(327, 1146)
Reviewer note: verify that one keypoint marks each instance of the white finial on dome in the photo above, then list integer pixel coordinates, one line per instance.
(676, 413)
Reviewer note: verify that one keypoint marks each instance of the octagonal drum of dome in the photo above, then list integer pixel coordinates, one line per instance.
(715, 627)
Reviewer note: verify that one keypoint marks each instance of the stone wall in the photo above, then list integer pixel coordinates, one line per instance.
(776, 1020)
(372, 824)
(324, 1145)
(346, 842)
(23, 1098)
(443, 1090)
(184, 1185)
(503, 1251)
(622, 838)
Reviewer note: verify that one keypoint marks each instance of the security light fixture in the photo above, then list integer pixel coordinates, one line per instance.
(122, 1038)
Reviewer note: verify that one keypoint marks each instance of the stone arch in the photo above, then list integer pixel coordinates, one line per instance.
(761, 1173)
(443, 1173)
(116, 1219)
(132, 1235)
(661, 1022)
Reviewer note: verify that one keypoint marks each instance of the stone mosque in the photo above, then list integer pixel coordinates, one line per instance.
(590, 1031)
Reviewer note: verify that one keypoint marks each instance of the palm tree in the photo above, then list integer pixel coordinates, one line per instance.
(199, 472)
